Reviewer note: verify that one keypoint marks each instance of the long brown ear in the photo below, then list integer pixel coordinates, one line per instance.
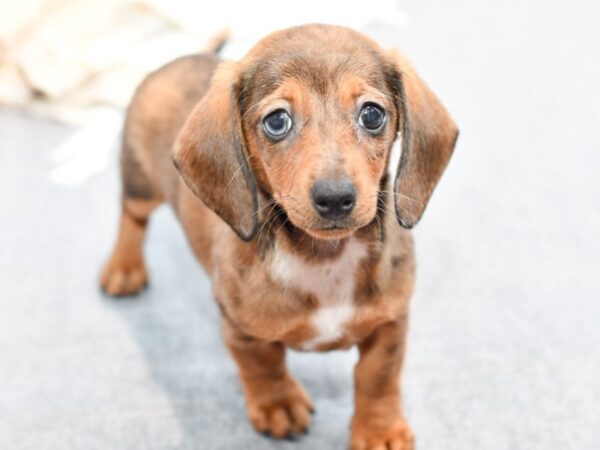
(428, 138)
(211, 157)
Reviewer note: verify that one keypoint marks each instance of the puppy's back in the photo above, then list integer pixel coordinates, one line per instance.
(157, 112)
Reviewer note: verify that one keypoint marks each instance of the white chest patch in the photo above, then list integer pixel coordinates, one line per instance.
(331, 282)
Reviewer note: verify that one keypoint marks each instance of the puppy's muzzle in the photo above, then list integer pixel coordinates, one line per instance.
(333, 199)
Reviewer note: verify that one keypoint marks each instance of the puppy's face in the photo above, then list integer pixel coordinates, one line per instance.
(308, 117)
(318, 133)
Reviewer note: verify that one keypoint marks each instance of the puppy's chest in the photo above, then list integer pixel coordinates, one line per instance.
(331, 283)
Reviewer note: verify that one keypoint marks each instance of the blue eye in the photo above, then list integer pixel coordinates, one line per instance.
(277, 124)
(372, 117)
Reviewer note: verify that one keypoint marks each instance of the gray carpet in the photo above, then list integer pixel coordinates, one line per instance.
(504, 349)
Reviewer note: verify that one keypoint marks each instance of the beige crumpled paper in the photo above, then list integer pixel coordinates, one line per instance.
(67, 58)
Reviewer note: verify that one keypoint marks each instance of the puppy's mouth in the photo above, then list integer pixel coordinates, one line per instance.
(321, 228)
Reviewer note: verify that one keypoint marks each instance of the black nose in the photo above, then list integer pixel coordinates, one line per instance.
(333, 199)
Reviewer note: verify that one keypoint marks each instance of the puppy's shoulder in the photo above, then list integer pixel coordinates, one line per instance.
(175, 87)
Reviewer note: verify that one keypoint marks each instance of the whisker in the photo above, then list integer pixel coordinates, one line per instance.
(385, 191)
(239, 169)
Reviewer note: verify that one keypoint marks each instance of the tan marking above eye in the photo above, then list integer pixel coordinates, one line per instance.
(272, 104)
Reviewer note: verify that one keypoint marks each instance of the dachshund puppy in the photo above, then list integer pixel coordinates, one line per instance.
(277, 168)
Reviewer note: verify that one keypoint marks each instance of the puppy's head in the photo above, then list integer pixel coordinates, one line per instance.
(308, 118)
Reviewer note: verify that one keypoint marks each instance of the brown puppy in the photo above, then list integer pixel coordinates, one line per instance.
(286, 202)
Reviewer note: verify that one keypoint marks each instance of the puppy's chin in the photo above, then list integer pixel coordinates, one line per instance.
(323, 232)
(329, 231)
(330, 235)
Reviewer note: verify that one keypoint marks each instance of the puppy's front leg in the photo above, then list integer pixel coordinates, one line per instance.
(276, 403)
(378, 422)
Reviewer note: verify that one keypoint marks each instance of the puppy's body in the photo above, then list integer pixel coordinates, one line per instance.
(286, 282)
(286, 286)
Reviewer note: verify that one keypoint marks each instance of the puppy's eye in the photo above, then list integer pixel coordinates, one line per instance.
(372, 117)
(277, 124)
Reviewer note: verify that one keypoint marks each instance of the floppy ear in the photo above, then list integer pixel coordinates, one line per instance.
(428, 139)
(211, 157)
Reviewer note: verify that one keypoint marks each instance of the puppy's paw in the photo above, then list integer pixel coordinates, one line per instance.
(279, 408)
(123, 277)
(369, 435)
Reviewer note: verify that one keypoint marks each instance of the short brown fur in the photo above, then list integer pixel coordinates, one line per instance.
(243, 201)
